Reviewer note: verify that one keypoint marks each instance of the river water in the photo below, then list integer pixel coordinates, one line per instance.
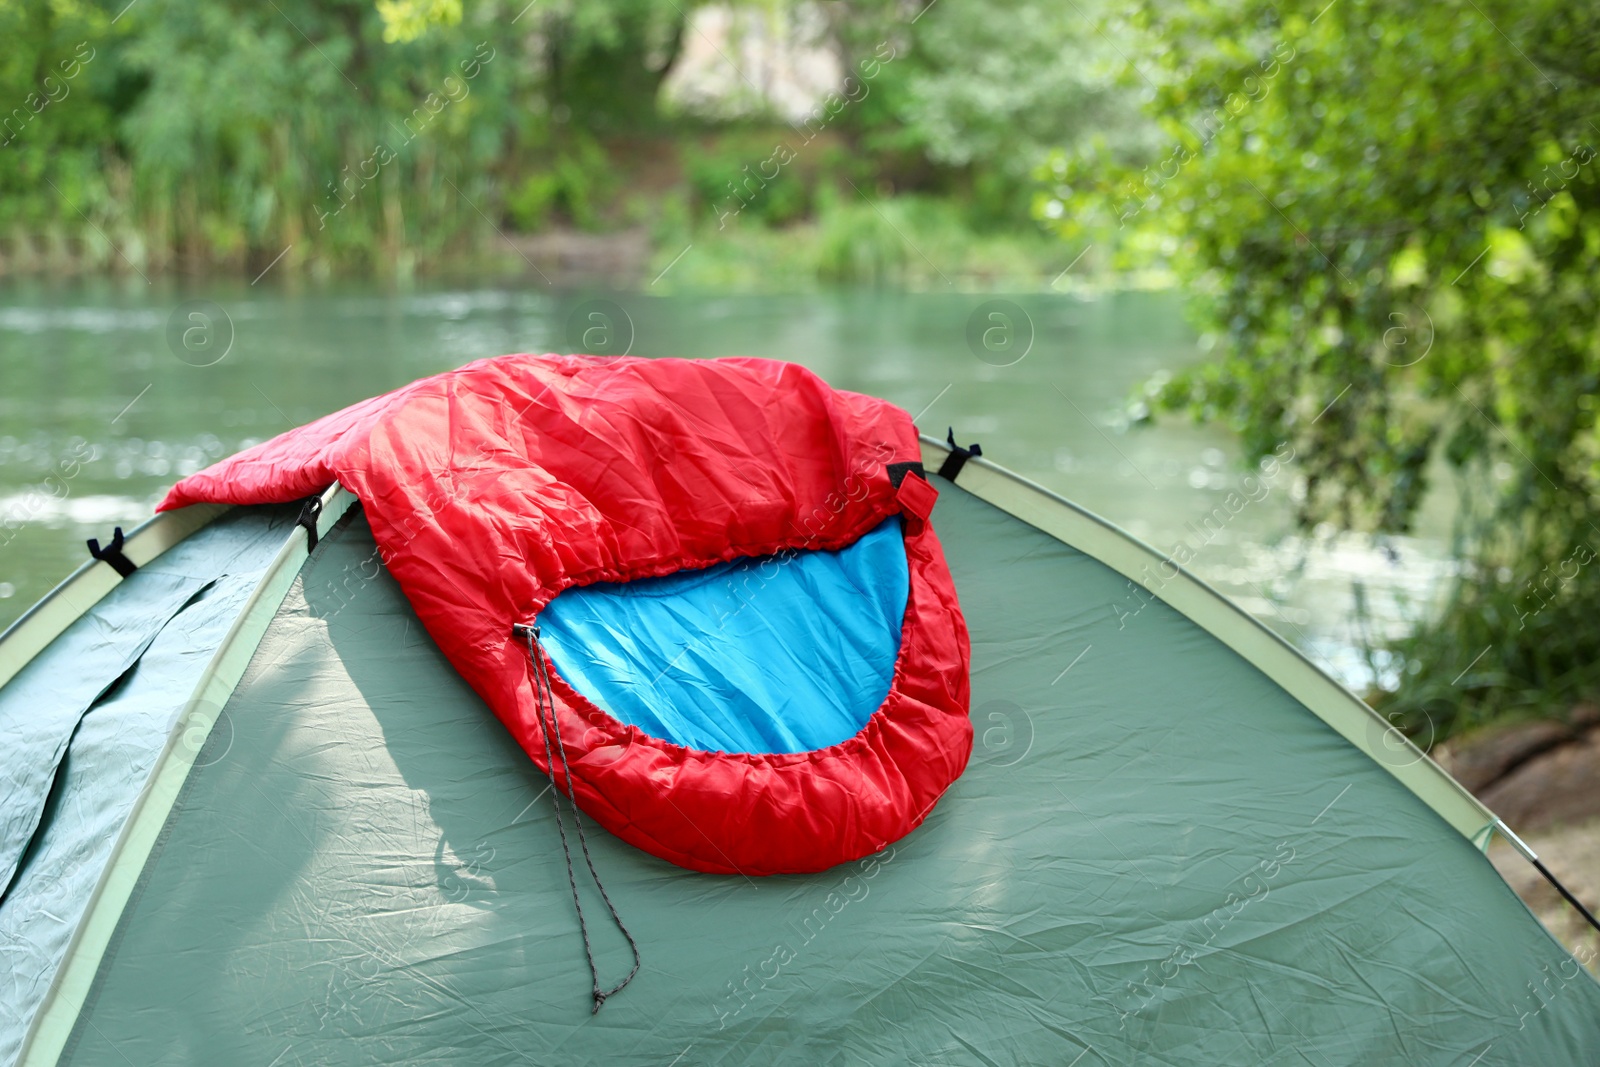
(111, 390)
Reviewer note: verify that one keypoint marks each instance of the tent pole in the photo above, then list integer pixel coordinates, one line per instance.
(1522, 847)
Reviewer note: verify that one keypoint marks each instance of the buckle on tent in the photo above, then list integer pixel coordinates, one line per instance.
(112, 553)
(310, 511)
(958, 457)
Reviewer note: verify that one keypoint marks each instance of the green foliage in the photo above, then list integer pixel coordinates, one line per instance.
(983, 89)
(751, 175)
(1392, 215)
(368, 135)
(356, 137)
(861, 244)
(571, 189)
(1513, 645)
(406, 20)
(603, 60)
(848, 243)
(57, 70)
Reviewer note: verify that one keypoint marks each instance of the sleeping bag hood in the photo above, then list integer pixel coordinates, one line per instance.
(707, 589)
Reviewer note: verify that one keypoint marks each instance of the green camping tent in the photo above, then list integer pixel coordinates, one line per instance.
(253, 817)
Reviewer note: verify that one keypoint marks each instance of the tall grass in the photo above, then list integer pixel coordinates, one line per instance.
(904, 242)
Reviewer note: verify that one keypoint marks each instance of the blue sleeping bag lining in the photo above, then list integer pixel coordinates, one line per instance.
(768, 654)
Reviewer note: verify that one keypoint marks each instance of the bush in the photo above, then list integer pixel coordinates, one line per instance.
(572, 190)
(749, 176)
(858, 242)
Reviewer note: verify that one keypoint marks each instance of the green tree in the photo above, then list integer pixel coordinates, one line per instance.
(980, 91)
(1391, 215)
(349, 133)
(58, 95)
(295, 123)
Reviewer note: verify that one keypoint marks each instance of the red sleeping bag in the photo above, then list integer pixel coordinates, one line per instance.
(492, 488)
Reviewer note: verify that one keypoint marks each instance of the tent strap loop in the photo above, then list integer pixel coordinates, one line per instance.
(958, 457)
(544, 701)
(310, 511)
(112, 553)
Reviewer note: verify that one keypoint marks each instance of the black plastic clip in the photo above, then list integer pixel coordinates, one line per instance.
(112, 553)
(310, 511)
(958, 457)
(525, 630)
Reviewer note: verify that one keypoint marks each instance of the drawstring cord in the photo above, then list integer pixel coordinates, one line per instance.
(544, 699)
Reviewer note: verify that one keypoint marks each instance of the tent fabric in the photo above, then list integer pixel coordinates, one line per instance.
(754, 655)
(114, 684)
(493, 488)
(1169, 861)
(41, 707)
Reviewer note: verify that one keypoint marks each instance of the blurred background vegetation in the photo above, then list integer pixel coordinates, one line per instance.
(417, 135)
(1385, 215)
